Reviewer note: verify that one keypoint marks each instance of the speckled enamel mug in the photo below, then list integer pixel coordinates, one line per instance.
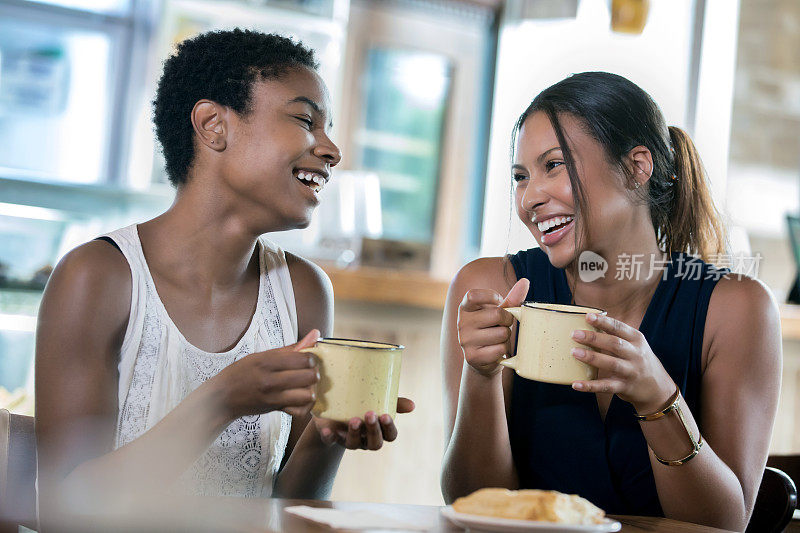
(356, 377)
(544, 342)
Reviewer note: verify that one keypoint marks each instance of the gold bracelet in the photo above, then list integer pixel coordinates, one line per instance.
(674, 401)
(675, 405)
(696, 445)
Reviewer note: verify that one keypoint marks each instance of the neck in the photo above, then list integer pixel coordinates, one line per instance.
(635, 266)
(202, 237)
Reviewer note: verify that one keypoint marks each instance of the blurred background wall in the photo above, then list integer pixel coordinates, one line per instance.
(425, 93)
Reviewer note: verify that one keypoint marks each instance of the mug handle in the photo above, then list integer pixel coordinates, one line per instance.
(512, 361)
(319, 405)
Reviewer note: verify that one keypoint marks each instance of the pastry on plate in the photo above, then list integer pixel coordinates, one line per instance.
(530, 504)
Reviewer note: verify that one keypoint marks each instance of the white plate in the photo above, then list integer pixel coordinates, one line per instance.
(506, 525)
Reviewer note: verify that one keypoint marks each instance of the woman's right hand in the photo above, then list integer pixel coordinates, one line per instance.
(484, 326)
(282, 379)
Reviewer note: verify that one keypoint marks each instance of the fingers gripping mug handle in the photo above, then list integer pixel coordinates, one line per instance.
(517, 313)
(319, 404)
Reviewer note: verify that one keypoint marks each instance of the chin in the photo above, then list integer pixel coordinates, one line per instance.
(286, 222)
(300, 222)
(560, 256)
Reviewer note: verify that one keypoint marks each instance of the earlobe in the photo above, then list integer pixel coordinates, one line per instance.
(208, 124)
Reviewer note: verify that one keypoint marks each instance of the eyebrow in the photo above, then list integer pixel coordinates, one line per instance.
(544, 154)
(315, 106)
(538, 159)
(306, 100)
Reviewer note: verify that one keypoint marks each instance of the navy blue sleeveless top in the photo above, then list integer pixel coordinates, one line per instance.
(558, 438)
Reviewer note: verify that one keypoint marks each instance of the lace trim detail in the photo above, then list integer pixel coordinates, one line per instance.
(272, 320)
(281, 442)
(133, 415)
(236, 463)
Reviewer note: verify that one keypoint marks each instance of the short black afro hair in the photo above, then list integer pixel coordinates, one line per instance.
(220, 66)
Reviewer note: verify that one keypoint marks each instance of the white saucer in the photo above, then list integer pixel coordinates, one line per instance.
(507, 525)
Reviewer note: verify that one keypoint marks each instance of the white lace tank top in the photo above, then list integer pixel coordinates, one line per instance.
(158, 368)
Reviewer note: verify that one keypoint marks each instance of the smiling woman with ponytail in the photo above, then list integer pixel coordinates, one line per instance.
(596, 168)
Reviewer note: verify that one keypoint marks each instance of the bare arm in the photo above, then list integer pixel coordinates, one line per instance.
(740, 390)
(310, 464)
(739, 397)
(82, 321)
(475, 334)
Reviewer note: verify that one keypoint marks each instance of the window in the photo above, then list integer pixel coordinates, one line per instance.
(401, 136)
(324, 8)
(418, 93)
(61, 73)
(109, 7)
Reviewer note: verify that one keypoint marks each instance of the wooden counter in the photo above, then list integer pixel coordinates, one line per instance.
(379, 285)
(418, 289)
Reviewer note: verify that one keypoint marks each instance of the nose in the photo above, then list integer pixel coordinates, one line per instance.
(327, 150)
(533, 196)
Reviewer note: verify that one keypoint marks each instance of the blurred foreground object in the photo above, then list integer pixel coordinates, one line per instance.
(17, 471)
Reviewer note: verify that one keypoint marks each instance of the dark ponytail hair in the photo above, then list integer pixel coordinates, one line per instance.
(620, 116)
(693, 224)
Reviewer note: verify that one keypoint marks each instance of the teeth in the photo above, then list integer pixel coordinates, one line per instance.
(313, 180)
(552, 222)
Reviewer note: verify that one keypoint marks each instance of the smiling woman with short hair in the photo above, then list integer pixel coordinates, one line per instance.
(169, 352)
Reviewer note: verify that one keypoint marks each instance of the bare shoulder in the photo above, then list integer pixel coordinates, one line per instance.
(308, 276)
(740, 295)
(94, 272)
(313, 293)
(86, 304)
(494, 273)
(742, 313)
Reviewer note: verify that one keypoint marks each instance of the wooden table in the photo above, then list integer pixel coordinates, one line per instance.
(430, 517)
(267, 515)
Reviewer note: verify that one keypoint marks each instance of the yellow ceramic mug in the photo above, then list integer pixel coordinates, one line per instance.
(356, 377)
(544, 342)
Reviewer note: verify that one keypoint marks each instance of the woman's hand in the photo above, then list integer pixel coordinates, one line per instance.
(484, 327)
(366, 434)
(627, 365)
(282, 379)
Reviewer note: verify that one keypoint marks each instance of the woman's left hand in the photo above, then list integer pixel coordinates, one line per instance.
(368, 433)
(627, 365)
